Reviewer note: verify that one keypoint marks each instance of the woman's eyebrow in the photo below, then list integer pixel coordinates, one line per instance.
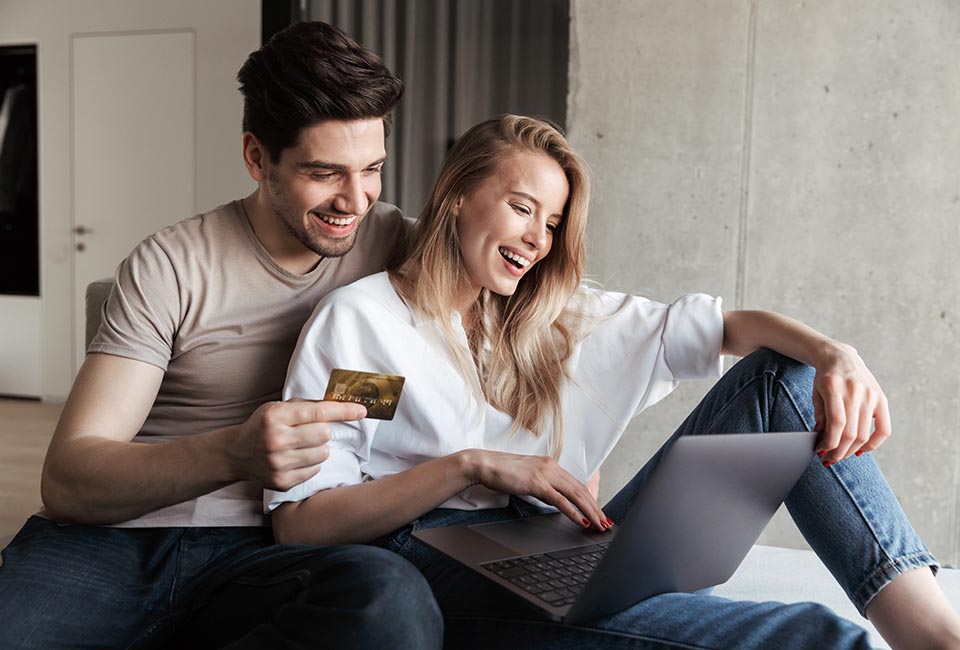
(532, 199)
(529, 197)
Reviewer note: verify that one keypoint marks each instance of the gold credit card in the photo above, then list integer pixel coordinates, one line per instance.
(379, 393)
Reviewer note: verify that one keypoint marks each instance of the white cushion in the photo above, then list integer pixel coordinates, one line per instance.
(792, 576)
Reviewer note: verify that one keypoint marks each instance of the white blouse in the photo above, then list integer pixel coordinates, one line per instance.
(634, 355)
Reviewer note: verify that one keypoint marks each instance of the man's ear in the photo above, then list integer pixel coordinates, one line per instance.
(255, 157)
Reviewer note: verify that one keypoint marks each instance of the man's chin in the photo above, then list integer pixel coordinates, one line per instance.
(333, 247)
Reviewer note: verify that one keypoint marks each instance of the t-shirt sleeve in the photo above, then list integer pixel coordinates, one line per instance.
(638, 350)
(338, 335)
(142, 313)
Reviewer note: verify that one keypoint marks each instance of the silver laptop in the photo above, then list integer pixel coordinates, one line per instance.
(692, 523)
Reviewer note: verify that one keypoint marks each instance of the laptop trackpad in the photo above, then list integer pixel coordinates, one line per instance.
(532, 535)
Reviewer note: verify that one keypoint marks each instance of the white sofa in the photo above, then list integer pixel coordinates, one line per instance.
(792, 576)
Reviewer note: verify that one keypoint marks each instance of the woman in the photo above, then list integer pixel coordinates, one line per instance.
(519, 381)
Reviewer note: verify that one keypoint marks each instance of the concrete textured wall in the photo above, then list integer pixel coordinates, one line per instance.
(802, 157)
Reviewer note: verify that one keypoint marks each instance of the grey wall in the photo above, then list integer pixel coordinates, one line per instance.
(801, 157)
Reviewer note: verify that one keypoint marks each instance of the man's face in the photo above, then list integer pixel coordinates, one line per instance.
(324, 185)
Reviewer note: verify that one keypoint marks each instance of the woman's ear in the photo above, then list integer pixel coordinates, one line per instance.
(455, 211)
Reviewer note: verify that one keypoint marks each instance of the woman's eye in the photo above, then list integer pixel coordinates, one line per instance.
(522, 209)
(552, 227)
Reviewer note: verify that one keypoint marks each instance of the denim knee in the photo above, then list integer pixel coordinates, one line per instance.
(783, 368)
(812, 625)
(400, 611)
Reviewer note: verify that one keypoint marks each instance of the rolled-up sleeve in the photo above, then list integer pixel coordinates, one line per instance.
(638, 350)
(693, 336)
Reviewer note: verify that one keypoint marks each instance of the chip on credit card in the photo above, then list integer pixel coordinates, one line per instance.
(379, 393)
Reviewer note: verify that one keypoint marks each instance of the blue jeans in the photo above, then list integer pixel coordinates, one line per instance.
(98, 587)
(846, 512)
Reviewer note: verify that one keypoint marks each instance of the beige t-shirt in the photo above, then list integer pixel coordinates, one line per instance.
(204, 301)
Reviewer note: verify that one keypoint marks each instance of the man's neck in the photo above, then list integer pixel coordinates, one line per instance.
(283, 247)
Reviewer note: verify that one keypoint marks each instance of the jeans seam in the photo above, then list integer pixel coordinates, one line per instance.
(679, 645)
(300, 575)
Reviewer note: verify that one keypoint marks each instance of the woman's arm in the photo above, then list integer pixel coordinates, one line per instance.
(847, 399)
(363, 512)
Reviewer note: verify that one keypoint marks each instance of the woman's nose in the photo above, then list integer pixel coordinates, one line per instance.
(536, 234)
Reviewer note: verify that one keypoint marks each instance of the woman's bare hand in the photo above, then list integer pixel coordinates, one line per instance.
(847, 402)
(540, 477)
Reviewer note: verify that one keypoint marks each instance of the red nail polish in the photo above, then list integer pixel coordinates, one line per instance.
(586, 522)
(828, 463)
(610, 521)
(859, 453)
(821, 454)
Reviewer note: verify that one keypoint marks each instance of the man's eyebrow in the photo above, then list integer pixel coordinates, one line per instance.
(319, 164)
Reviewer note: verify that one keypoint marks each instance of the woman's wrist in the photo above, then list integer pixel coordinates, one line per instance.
(829, 352)
(469, 465)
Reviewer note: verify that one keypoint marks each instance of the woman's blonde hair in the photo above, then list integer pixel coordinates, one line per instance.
(531, 334)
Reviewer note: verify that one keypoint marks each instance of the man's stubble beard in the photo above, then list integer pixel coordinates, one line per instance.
(291, 222)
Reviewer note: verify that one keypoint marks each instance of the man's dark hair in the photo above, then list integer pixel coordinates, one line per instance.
(308, 73)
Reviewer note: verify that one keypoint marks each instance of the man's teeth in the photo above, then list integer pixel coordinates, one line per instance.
(337, 222)
(522, 262)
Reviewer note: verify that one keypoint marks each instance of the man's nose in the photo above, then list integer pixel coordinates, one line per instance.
(351, 198)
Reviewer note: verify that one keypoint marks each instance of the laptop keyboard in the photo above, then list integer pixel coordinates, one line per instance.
(556, 577)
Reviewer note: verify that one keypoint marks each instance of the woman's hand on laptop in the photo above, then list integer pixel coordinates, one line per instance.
(847, 401)
(540, 477)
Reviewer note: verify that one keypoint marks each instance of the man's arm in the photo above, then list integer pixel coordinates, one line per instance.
(847, 400)
(94, 473)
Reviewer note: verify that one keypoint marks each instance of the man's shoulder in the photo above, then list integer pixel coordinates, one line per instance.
(207, 226)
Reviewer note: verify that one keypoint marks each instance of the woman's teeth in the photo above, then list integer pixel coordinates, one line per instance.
(519, 262)
(336, 222)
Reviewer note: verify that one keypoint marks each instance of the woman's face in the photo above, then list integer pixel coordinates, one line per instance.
(506, 224)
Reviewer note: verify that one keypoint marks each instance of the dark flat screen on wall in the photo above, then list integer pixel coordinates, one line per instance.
(19, 222)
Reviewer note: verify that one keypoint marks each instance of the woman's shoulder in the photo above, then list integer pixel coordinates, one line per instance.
(369, 298)
(371, 288)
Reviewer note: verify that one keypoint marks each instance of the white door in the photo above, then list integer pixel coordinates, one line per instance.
(134, 147)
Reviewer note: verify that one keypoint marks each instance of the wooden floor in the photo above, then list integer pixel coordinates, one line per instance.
(25, 431)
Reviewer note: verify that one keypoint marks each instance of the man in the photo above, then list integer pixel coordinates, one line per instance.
(145, 544)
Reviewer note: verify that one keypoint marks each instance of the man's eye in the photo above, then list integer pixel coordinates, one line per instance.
(375, 170)
(323, 176)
